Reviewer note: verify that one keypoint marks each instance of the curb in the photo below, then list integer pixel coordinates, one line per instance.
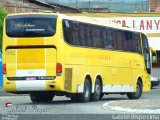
(129, 110)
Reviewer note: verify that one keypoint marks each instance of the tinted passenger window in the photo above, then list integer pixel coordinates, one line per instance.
(128, 38)
(31, 26)
(83, 34)
(109, 43)
(136, 43)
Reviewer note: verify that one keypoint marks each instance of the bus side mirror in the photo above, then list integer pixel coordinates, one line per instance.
(153, 55)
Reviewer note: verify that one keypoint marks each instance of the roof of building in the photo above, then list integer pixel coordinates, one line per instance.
(53, 5)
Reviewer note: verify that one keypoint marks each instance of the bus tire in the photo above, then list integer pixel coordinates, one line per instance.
(85, 96)
(74, 98)
(97, 91)
(101, 95)
(138, 93)
(41, 96)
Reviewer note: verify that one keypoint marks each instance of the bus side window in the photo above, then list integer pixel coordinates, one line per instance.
(113, 34)
(96, 36)
(119, 40)
(75, 33)
(128, 41)
(86, 34)
(81, 34)
(90, 37)
(68, 31)
(109, 38)
(102, 37)
(136, 42)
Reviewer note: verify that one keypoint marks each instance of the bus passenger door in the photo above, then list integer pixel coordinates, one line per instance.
(146, 54)
(147, 60)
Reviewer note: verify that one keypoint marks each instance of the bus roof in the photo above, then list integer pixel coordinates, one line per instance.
(80, 18)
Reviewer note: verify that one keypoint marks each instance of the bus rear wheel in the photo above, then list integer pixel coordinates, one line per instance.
(85, 95)
(97, 91)
(41, 96)
(101, 95)
(138, 93)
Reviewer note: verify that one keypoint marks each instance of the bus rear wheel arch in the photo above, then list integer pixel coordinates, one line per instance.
(137, 94)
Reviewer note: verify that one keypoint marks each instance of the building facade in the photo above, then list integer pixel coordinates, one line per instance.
(13, 6)
(154, 5)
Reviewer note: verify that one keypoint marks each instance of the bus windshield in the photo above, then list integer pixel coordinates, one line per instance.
(31, 26)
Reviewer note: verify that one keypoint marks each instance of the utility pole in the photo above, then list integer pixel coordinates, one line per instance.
(77, 4)
(22, 5)
(147, 6)
(135, 5)
(142, 5)
(89, 4)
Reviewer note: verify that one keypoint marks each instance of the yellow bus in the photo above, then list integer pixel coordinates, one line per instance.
(48, 54)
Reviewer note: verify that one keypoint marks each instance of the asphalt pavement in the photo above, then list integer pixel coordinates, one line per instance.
(148, 103)
(111, 107)
(3, 93)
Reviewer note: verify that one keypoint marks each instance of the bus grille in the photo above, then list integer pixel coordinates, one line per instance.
(68, 79)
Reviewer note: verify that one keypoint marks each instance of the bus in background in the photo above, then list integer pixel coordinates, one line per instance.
(48, 54)
(148, 23)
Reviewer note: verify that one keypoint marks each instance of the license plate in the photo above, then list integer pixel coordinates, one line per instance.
(31, 78)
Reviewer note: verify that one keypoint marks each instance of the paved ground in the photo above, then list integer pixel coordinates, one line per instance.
(3, 93)
(110, 104)
(138, 104)
(149, 103)
(147, 106)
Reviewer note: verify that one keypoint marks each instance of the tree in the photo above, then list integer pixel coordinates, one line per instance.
(3, 14)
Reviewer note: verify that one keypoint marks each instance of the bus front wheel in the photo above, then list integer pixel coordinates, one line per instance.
(41, 96)
(138, 93)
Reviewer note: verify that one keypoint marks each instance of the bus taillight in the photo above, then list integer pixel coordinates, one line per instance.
(30, 15)
(59, 68)
(4, 69)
